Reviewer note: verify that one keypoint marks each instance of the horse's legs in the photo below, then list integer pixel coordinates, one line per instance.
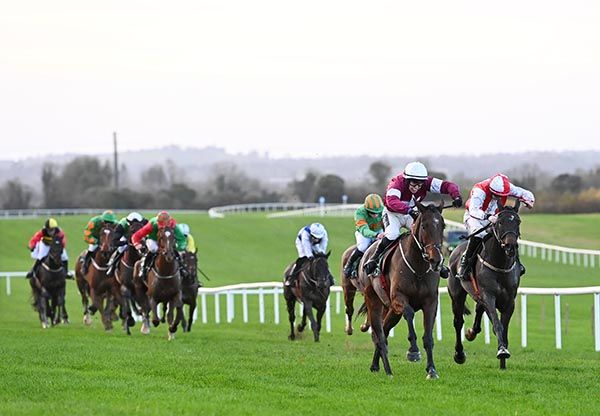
(154, 308)
(490, 308)
(191, 314)
(177, 304)
(349, 293)
(320, 313)
(291, 307)
(471, 333)
(308, 312)
(125, 310)
(505, 316)
(163, 317)
(458, 310)
(375, 311)
(63, 306)
(85, 301)
(168, 312)
(429, 312)
(413, 354)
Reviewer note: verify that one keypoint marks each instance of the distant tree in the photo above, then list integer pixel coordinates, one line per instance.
(381, 172)
(567, 183)
(331, 187)
(439, 175)
(181, 195)
(51, 187)
(15, 195)
(305, 188)
(154, 177)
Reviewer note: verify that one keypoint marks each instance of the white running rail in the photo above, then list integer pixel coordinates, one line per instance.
(275, 289)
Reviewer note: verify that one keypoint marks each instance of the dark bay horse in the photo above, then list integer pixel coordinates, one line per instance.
(312, 290)
(409, 283)
(48, 287)
(163, 283)
(189, 287)
(493, 285)
(96, 285)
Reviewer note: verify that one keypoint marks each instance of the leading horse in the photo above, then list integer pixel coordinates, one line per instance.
(408, 283)
(312, 290)
(493, 285)
(48, 287)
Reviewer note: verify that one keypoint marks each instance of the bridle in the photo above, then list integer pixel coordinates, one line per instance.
(500, 238)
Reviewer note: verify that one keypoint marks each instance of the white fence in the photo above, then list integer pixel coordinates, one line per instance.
(51, 212)
(274, 289)
(219, 212)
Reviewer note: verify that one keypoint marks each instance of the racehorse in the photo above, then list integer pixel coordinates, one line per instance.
(48, 287)
(96, 284)
(163, 284)
(493, 285)
(408, 283)
(351, 286)
(124, 278)
(312, 290)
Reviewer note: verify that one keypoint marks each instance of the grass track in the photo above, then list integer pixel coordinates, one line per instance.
(253, 369)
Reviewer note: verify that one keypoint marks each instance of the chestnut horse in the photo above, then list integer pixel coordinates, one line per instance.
(409, 283)
(48, 287)
(124, 277)
(312, 290)
(96, 284)
(163, 284)
(493, 285)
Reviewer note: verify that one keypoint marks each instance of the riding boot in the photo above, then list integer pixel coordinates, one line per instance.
(291, 279)
(352, 260)
(86, 261)
(113, 261)
(146, 264)
(521, 266)
(65, 265)
(34, 269)
(182, 270)
(372, 264)
(468, 258)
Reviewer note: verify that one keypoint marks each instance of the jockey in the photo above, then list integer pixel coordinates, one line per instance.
(91, 235)
(369, 227)
(120, 238)
(39, 245)
(190, 243)
(310, 240)
(481, 209)
(400, 209)
(150, 232)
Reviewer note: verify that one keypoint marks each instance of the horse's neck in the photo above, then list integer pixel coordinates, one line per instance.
(163, 266)
(494, 253)
(412, 252)
(52, 262)
(131, 256)
(100, 259)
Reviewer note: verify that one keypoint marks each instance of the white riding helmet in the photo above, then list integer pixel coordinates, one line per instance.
(317, 230)
(134, 216)
(500, 185)
(185, 229)
(415, 170)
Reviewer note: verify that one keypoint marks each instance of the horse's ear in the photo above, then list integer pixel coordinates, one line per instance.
(328, 253)
(440, 206)
(500, 204)
(195, 250)
(420, 206)
(517, 205)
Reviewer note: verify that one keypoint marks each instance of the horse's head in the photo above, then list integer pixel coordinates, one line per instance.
(428, 232)
(319, 270)
(56, 250)
(106, 243)
(190, 262)
(507, 229)
(166, 243)
(133, 228)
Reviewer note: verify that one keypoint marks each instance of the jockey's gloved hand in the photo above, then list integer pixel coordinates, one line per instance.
(413, 212)
(457, 202)
(492, 218)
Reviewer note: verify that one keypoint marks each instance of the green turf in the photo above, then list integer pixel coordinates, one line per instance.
(252, 368)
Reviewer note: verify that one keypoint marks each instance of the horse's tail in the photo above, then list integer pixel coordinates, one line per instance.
(362, 311)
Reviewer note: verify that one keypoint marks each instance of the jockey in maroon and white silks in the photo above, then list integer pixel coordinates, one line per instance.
(481, 209)
(403, 192)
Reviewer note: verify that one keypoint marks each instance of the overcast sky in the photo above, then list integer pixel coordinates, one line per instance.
(300, 78)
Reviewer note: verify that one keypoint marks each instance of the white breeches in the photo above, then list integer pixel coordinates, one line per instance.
(41, 250)
(302, 250)
(362, 242)
(151, 245)
(473, 224)
(393, 221)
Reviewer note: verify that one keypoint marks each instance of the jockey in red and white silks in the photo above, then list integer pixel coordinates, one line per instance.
(401, 196)
(481, 209)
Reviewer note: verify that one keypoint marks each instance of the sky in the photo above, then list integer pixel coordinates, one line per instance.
(301, 79)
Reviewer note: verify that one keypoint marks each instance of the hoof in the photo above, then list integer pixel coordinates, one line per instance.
(470, 335)
(349, 331)
(432, 375)
(145, 329)
(171, 336)
(413, 356)
(44, 325)
(300, 328)
(66, 321)
(87, 320)
(155, 322)
(460, 358)
(503, 353)
(291, 337)
(364, 327)
(374, 369)
(130, 321)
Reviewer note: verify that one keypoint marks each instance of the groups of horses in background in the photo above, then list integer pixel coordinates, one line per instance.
(124, 290)
(407, 283)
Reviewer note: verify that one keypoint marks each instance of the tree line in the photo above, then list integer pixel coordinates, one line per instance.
(86, 182)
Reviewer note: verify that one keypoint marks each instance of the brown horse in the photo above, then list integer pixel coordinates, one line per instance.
(96, 284)
(163, 284)
(48, 287)
(409, 283)
(351, 286)
(493, 285)
(124, 277)
(312, 289)
(189, 287)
